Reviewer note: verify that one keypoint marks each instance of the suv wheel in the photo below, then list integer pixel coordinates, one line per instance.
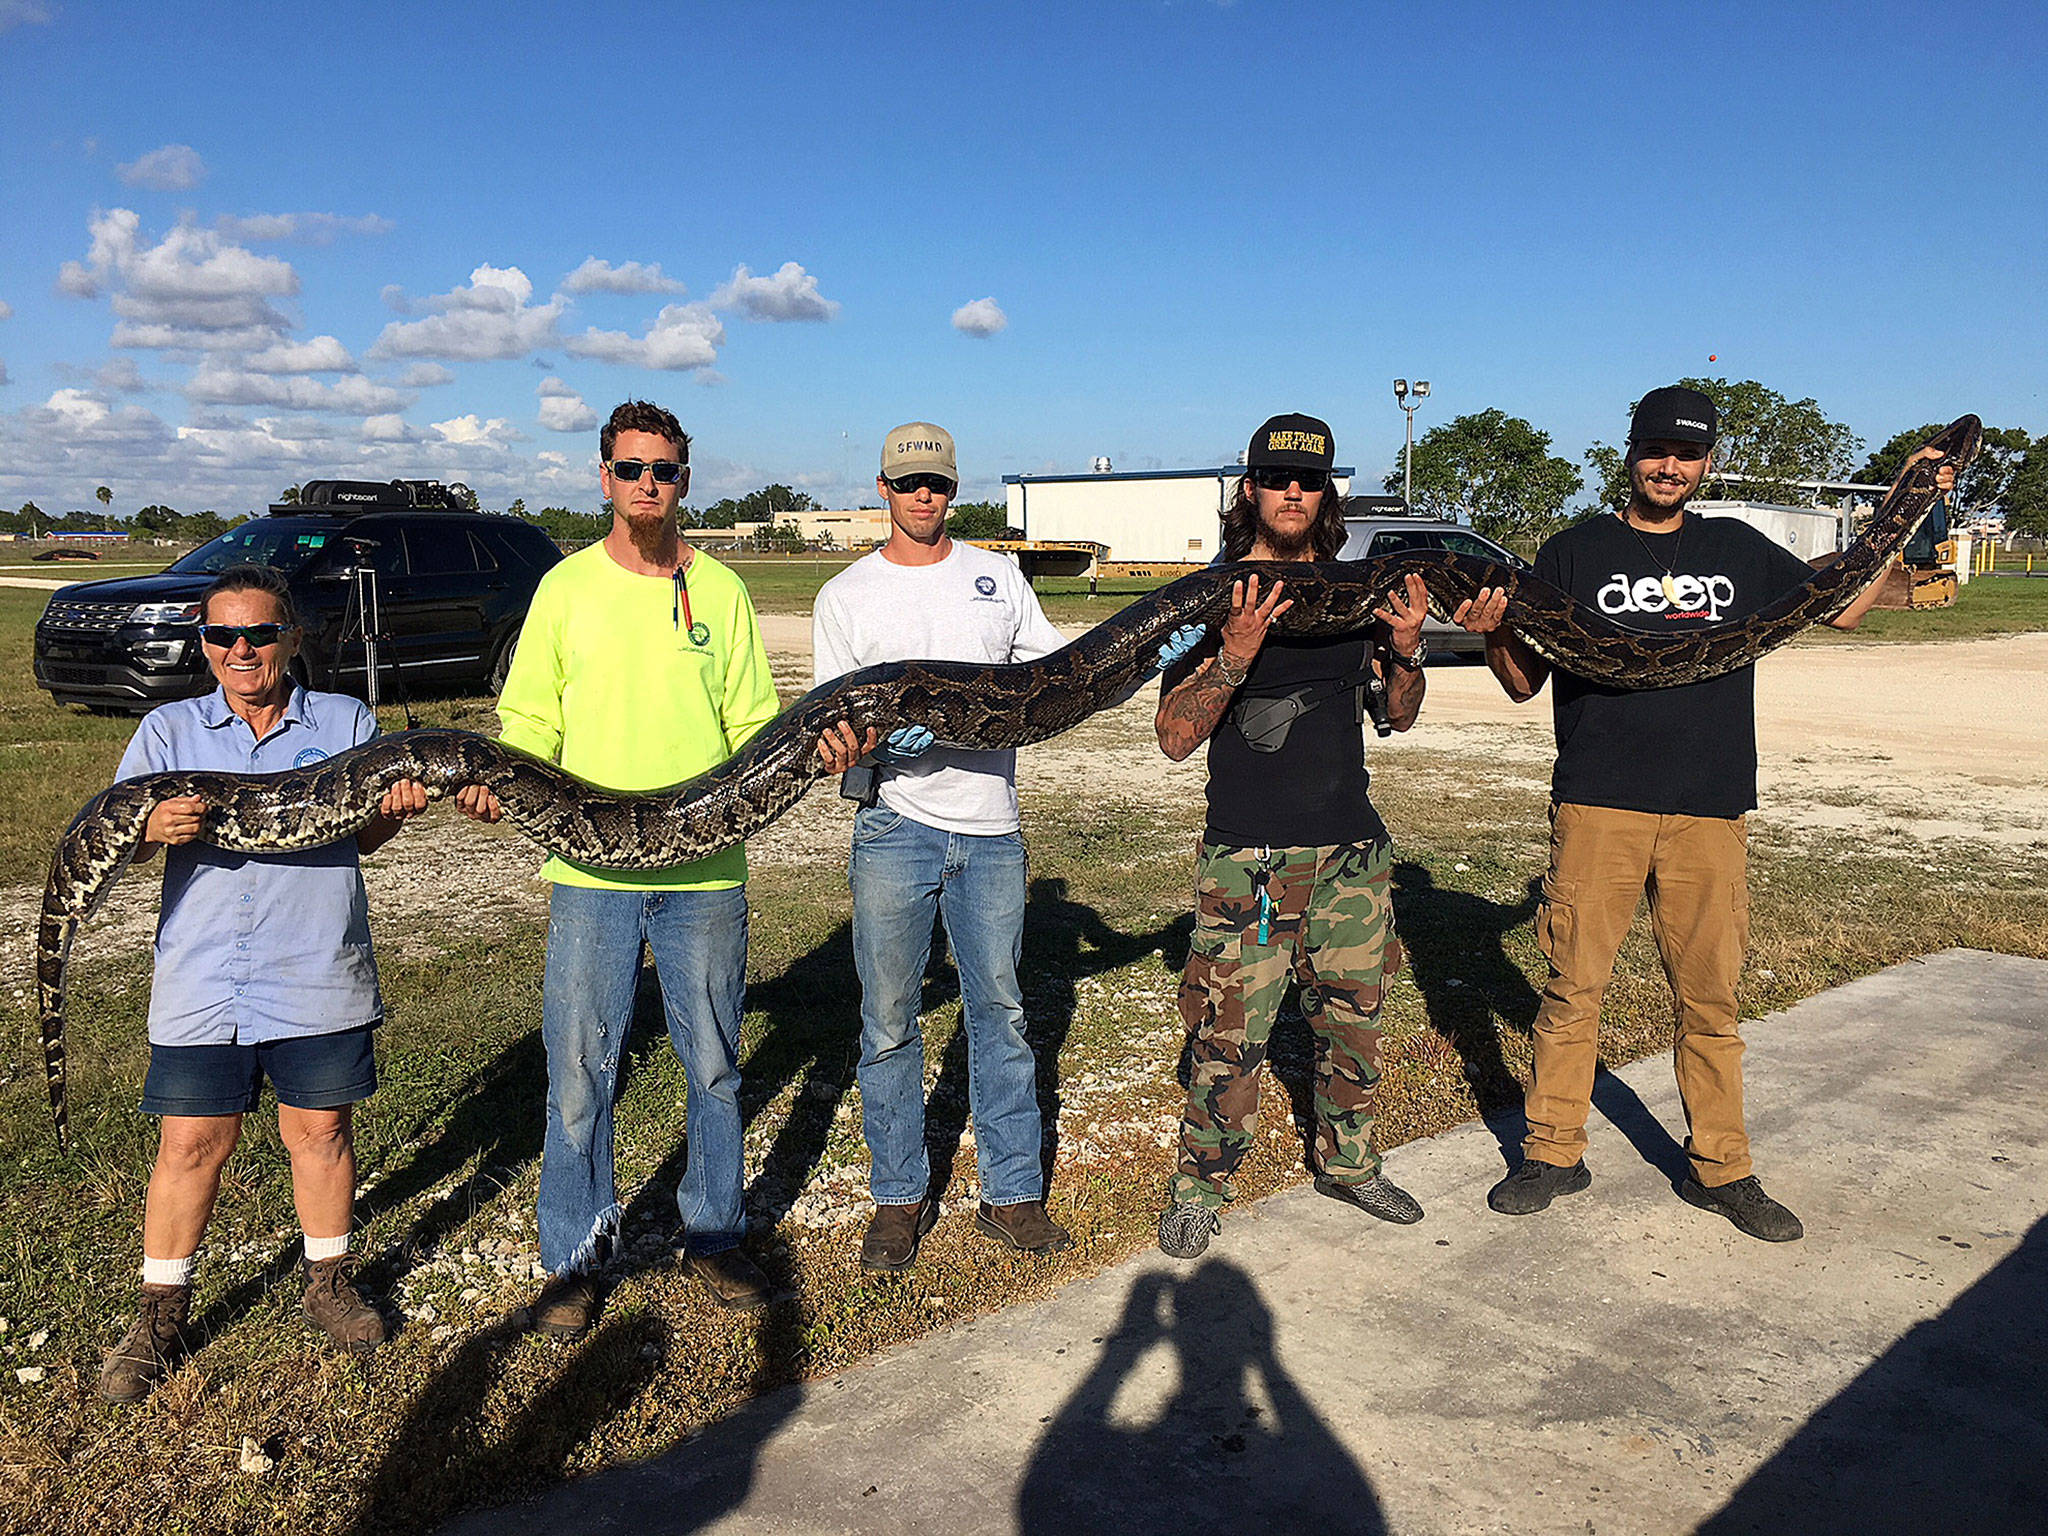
(501, 668)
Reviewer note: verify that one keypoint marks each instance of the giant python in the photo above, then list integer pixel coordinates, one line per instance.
(963, 704)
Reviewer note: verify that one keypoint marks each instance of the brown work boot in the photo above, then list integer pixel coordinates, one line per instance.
(894, 1233)
(566, 1306)
(733, 1279)
(336, 1307)
(152, 1348)
(1024, 1227)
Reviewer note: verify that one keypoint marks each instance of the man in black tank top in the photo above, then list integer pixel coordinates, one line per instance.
(1292, 877)
(1650, 794)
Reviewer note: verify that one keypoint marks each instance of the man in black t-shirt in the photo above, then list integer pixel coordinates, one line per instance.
(1650, 794)
(1292, 877)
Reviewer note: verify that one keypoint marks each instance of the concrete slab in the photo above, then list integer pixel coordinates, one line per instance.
(1622, 1363)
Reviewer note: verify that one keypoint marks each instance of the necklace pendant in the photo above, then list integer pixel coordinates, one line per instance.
(1670, 590)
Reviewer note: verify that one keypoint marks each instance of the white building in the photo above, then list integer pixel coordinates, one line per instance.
(1144, 516)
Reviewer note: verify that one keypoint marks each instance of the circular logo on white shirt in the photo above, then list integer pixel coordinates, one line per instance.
(985, 585)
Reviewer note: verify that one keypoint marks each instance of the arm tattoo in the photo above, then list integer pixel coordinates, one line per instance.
(1190, 712)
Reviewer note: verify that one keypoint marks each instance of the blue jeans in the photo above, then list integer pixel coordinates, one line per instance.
(903, 872)
(699, 940)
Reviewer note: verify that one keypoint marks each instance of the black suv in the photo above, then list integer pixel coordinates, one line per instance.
(451, 588)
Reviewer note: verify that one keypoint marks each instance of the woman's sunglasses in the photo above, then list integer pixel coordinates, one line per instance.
(1310, 480)
(665, 471)
(258, 635)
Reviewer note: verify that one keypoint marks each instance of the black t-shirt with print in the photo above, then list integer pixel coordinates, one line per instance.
(1687, 751)
(1314, 792)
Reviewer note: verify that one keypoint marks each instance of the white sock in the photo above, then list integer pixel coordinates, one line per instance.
(169, 1271)
(318, 1248)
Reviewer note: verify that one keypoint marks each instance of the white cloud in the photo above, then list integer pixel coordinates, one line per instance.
(426, 376)
(489, 317)
(562, 409)
(791, 294)
(24, 13)
(190, 290)
(306, 228)
(388, 429)
(983, 317)
(469, 431)
(122, 375)
(394, 299)
(318, 354)
(599, 276)
(213, 384)
(173, 168)
(6, 310)
(681, 337)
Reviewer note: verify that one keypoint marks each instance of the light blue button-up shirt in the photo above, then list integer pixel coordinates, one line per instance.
(256, 947)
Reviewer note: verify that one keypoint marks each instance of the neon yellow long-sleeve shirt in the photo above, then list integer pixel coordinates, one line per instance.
(613, 682)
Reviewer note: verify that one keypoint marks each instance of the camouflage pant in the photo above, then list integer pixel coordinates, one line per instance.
(1331, 927)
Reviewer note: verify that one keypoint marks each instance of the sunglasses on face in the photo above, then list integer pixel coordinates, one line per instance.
(665, 471)
(938, 485)
(1310, 480)
(258, 635)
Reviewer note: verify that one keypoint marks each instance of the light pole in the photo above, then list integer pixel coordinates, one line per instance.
(1402, 395)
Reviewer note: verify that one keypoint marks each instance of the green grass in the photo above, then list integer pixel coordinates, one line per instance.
(1989, 605)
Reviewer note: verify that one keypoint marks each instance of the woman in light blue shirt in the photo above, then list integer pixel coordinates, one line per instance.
(262, 971)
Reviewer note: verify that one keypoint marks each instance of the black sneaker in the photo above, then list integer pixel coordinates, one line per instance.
(1377, 1196)
(1185, 1229)
(1745, 1203)
(1532, 1186)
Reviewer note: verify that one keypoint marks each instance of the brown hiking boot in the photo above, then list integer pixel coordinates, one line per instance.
(1024, 1227)
(334, 1305)
(894, 1233)
(733, 1279)
(565, 1308)
(152, 1348)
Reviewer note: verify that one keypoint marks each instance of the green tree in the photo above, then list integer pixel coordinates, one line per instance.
(1981, 487)
(518, 507)
(2026, 496)
(288, 497)
(156, 520)
(105, 494)
(980, 520)
(1495, 469)
(770, 503)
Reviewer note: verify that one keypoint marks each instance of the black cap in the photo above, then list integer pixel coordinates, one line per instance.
(1674, 414)
(1293, 442)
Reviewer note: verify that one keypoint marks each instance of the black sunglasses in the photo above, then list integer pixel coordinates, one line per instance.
(1310, 480)
(938, 485)
(258, 635)
(665, 471)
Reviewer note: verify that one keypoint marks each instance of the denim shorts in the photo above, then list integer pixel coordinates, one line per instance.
(308, 1072)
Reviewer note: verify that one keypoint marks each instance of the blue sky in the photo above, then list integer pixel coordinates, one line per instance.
(249, 245)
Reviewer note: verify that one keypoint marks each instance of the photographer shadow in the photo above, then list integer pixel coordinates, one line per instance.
(1234, 1446)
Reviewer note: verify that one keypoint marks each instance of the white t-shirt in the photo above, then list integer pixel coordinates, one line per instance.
(971, 606)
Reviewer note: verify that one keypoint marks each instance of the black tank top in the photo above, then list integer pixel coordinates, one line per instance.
(1313, 792)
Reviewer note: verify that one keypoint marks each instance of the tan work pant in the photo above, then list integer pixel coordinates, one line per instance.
(1695, 871)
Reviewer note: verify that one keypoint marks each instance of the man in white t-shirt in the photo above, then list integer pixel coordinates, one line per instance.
(941, 836)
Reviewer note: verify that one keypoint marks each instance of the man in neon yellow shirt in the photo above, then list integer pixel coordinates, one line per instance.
(639, 666)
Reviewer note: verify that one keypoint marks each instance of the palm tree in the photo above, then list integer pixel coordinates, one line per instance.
(106, 496)
(288, 496)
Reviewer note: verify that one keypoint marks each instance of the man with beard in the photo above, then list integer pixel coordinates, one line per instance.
(1292, 875)
(1650, 794)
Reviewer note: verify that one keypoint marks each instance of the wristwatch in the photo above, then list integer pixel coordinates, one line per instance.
(1230, 672)
(1412, 663)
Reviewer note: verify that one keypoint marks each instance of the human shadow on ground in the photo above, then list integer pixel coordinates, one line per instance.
(1235, 1447)
(1946, 1431)
(1472, 988)
(1065, 942)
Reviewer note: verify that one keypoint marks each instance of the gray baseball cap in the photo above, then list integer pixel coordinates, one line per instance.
(919, 448)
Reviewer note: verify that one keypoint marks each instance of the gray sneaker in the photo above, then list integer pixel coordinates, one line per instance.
(1185, 1229)
(1533, 1185)
(1377, 1196)
(1745, 1203)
